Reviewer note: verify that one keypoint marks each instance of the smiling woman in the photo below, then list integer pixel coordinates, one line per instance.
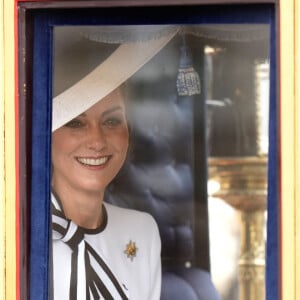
(87, 153)
(95, 244)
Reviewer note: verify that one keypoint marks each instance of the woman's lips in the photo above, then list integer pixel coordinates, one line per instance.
(94, 162)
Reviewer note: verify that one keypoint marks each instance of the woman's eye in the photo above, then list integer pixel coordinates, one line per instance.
(112, 122)
(74, 124)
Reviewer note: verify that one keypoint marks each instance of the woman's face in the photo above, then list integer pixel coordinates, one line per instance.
(88, 151)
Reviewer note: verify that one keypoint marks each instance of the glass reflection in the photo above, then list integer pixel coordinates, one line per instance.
(237, 132)
(213, 132)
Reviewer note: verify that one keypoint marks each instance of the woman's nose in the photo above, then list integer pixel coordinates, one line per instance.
(96, 138)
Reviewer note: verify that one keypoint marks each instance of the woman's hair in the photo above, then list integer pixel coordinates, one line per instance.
(125, 91)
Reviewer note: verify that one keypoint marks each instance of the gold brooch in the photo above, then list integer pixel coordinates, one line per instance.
(131, 250)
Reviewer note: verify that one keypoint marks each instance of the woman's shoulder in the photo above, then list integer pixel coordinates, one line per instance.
(129, 216)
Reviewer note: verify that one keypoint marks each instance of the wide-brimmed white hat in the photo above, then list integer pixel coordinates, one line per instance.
(133, 47)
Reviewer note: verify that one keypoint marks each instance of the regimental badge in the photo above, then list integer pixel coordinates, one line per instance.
(131, 250)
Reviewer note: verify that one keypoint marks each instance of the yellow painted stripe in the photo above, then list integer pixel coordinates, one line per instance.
(288, 147)
(9, 151)
(297, 137)
(2, 206)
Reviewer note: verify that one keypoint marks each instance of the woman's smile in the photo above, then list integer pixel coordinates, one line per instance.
(94, 162)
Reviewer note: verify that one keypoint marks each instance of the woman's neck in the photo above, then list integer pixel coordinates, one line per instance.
(82, 207)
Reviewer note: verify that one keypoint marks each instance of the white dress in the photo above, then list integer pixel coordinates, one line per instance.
(129, 243)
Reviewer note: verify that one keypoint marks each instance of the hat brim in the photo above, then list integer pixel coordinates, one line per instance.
(125, 61)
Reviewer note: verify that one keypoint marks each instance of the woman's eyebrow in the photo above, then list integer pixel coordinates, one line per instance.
(113, 109)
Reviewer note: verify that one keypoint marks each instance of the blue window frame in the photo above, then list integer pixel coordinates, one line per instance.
(40, 23)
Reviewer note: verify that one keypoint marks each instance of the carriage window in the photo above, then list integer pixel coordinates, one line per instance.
(198, 114)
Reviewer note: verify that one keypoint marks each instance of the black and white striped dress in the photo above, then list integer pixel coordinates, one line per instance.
(96, 264)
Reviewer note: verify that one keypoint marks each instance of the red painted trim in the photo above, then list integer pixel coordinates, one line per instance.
(17, 156)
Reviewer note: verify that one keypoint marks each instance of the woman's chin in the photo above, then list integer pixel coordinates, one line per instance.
(93, 187)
